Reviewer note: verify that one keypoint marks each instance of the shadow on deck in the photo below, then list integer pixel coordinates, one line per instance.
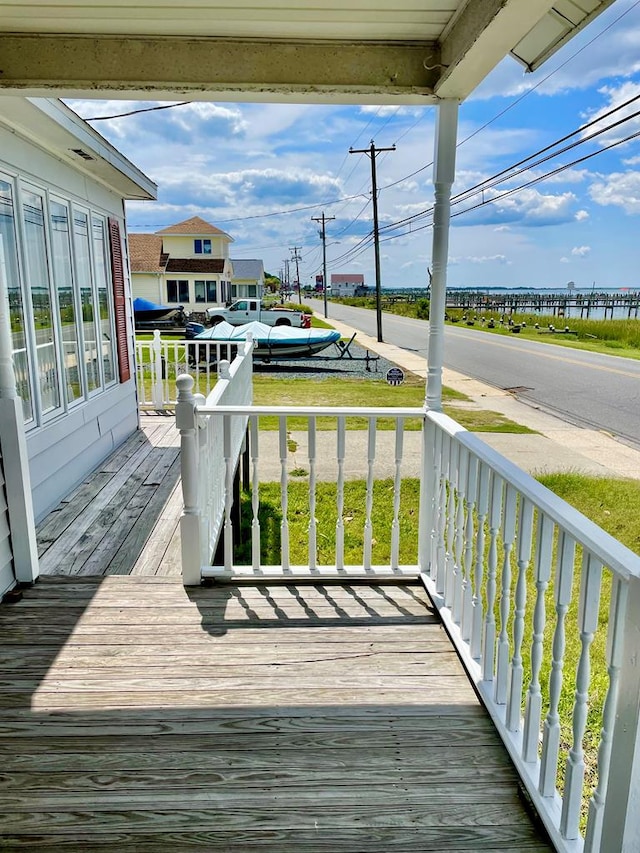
(137, 715)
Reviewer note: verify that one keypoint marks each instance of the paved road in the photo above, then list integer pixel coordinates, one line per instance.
(588, 389)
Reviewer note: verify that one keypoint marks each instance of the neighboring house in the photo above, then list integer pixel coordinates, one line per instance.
(346, 284)
(248, 279)
(185, 264)
(65, 306)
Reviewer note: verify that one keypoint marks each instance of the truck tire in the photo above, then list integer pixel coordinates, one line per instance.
(283, 321)
(217, 319)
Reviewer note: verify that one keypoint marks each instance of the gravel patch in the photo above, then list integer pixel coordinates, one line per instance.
(328, 364)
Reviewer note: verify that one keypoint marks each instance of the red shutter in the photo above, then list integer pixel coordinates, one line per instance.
(119, 301)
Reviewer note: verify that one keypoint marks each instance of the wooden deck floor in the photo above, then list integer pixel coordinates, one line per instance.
(123, 519)
(139, 716)
(136, 715)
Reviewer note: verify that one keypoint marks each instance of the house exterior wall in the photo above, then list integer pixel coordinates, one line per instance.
(149, 286)
(183, 247)
(6, 557)
(79, 411)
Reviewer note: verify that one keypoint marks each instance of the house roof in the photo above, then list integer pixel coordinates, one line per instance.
(197, 265)
(145, 253)
(347, 278)
(355, 51)
(247, 269)
(194, 227)
(54, 127)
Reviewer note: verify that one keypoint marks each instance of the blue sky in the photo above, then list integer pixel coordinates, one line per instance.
(247, 167)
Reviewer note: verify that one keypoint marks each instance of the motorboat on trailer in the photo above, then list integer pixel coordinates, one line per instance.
(146, 313)
(270, 341)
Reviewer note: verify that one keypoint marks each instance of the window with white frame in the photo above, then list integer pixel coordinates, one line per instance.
(177, 291)
(202, 247)
(205, 291)
(55, 267)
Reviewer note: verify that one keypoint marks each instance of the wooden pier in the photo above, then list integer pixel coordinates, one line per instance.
(581, 305)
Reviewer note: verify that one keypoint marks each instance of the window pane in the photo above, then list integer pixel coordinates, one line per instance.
(206, 247)
(172, 290)
(38, 274)
(104, 299)
(197, 247)
(63, 277)
(10, 273)
(89, 314)
(211, 291)
(199, 291)
(183, 291)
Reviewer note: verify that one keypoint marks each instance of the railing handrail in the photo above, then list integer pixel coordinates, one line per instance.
(616, 556)
(315, 411)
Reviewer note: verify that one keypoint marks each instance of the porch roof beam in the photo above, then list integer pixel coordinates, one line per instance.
(217, 69)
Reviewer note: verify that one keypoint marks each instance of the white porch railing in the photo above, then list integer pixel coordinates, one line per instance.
(159, 363)
(210, 450)
(518, 576)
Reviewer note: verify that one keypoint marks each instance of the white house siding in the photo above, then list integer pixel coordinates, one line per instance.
(65, 445)
(149, 286)
(6, 558)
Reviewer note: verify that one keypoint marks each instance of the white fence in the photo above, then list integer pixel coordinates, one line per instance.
(209, 453)
(159, 363)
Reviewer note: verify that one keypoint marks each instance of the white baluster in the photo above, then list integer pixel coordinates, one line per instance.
(508, 536)
(397, 487)
(593, 842)
(189, 520)
(313, 533)
(478, 613)
(229, 464)
(449, 562)
(255, 493)
(551, 729)
(368, 527)
(458, 566)
(157, 388)
(525, 531)
(284, 494)
(533, 710)
(495, 511)
(440, 557)
(428, 494)
(590, 586)
(467, 565)
(340, 438)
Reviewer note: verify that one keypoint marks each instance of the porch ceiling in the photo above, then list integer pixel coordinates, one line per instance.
(410, 51)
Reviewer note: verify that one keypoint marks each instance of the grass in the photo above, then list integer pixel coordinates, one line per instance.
(274, 391)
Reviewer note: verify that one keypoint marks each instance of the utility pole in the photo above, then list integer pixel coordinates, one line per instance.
(296, 257)
(286, 279)
(372, 153)
(323, 234)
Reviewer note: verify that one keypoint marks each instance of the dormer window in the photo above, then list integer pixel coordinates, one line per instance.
(202, 247)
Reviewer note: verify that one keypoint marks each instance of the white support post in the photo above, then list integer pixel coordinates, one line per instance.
(15, 461)
(444, 167)
(157, 386)
(621, 821)
(186, 422)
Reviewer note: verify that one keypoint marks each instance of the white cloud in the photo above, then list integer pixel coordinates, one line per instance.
(486, 259)
(619, 189)
(564, 260)
(615, 96)
(581, 215)
(580, 251)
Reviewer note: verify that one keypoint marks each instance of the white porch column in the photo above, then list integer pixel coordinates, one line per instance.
(444, 167)
(15, 461)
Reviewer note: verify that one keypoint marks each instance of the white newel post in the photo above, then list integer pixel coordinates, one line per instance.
(157, 386)
(444, 168)
(190, 527)
(621, 821)
(14, 451)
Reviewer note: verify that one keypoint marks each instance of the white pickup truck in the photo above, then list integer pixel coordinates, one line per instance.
(247, 310)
